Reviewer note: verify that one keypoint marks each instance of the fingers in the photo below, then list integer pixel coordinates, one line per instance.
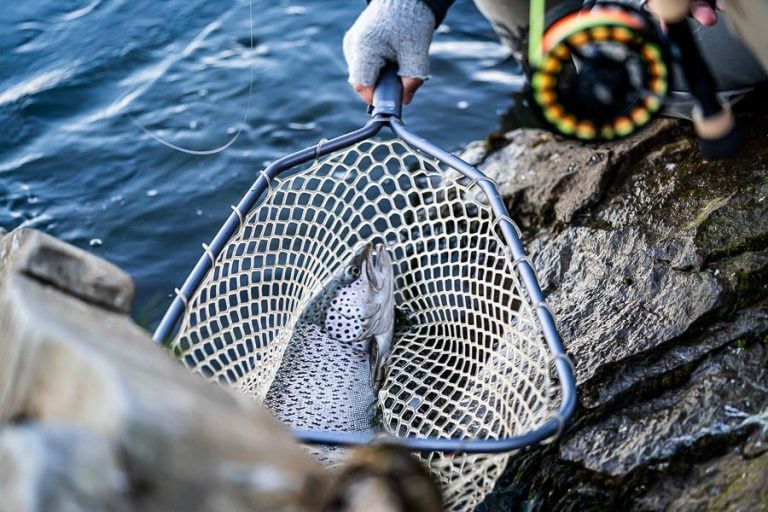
(410, 85)
(365, 92)
(703, 12)
(366, 50)
(413, 60)
(361, 51)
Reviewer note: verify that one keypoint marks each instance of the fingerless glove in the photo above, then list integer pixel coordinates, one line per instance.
(397, 30)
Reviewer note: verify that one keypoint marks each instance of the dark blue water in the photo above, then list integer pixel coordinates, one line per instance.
(78, 77)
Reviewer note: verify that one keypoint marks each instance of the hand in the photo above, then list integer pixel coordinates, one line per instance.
(705, 12)
(410, 85)
(396, 30)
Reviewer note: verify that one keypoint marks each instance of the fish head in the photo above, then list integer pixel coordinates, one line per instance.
(362, 303)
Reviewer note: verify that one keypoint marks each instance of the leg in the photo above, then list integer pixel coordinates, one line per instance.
(509, 18)
(733, 67)
(731, 62)
(748, 19)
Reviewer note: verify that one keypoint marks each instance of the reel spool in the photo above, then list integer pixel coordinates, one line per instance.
(598, 73)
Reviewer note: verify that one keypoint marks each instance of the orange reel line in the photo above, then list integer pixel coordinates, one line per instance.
(598, 73)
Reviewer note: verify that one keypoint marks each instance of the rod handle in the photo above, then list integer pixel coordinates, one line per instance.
(719, 137)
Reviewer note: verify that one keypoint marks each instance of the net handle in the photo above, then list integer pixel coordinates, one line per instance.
(387, 93)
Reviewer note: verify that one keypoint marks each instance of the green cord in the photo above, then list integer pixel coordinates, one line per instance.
(536, 32)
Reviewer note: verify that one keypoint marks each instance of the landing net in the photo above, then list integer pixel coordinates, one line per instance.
(470, 362)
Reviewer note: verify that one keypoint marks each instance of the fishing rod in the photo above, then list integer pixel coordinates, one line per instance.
(603, 70)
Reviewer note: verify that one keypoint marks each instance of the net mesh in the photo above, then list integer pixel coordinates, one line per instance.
(469, 362)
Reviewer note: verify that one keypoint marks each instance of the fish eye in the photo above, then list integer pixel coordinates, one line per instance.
(354, 271)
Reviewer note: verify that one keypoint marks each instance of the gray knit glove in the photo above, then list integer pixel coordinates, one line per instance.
(397, 30)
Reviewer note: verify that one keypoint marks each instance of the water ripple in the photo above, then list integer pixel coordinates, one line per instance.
(20, 162)
(42, 82)
(514, 80)
(78, 71)
(149, 76)
(470, 49)
(79, 13)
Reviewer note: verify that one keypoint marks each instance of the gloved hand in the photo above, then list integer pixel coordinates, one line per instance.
(397, 30)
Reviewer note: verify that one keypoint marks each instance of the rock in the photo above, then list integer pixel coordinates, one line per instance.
(655, 262)
(67, 268)
(725, 484)
(545, 178)
(614, 298)
(95, 416)
(757, 443)
(663, 367)
(60, 468)
(718, 395)
(475, 152)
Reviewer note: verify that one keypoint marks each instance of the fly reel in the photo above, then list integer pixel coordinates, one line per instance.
(597, 73)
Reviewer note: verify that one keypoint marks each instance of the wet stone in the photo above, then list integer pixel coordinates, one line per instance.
(547, 178)
(660, 369)
(613, 299)
(725, 390)
(59, 468)
(130, 409)
(729, 483)
(69, 269)
(757, 443)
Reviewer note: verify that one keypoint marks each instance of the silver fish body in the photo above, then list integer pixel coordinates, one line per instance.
(325, 380)
(382, 328)
(323, 384)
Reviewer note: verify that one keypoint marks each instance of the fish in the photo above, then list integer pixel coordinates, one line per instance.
(335, 361)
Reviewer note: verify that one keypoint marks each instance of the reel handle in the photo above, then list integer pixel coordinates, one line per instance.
(387, 93)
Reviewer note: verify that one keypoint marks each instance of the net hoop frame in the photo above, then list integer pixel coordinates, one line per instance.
(386, 113)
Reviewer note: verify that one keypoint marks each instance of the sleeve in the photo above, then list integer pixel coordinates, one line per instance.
(439, 9)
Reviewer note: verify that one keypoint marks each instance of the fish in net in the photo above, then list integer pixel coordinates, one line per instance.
(475, 369)
(328, 373)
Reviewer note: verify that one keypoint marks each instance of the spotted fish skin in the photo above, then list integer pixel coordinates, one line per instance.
(323, 384)
(325, 380)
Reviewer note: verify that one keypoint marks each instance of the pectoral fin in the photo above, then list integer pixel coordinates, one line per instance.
(381, 349)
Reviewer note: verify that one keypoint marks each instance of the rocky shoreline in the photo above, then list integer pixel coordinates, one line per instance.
(656, 264)
(96, 416)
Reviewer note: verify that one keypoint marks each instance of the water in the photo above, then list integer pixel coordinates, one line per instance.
(78, 77)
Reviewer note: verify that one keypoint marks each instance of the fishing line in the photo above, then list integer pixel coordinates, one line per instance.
(219, 149)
